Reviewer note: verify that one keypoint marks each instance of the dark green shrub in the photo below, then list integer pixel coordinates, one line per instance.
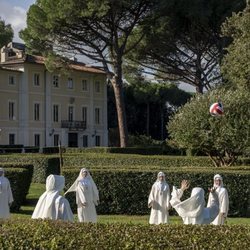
(51, 150)
(126, 192)
(43, 165)
(31, 149)
(20, 177)
(33, 234)
(10, 149)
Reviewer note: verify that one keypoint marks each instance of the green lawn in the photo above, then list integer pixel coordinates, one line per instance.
(37, 189)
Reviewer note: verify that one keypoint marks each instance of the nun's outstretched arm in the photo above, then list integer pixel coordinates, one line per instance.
(176, 196)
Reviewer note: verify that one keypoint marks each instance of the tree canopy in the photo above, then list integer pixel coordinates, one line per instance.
(223, 138)
(6, 33)
(183, 42)
(236, 64)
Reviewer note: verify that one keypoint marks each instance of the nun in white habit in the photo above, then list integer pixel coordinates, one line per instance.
(6, 197)
(158, 201)
(51, 205)
(223, 200)
(87, 196)
(192, 210)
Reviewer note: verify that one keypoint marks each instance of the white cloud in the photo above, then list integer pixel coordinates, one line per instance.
(14, 15)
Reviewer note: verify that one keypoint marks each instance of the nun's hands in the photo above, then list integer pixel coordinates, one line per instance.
(212, 190)
(84, 204)
(185, 185)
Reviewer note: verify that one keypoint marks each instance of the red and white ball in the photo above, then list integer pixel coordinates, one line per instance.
(216, 109)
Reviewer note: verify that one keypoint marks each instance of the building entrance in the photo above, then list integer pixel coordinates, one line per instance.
(73, 140)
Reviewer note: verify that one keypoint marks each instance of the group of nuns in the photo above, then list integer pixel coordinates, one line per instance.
(192, 210)
(51, 205)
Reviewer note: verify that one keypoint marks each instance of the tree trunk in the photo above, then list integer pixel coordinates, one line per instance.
(199, 88)
(198, 80)
(117, 84)
(148, 117)
(162, 122)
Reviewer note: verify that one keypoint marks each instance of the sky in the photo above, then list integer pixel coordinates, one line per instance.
(14, 12)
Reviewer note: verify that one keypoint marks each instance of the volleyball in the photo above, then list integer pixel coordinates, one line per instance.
(216, 109)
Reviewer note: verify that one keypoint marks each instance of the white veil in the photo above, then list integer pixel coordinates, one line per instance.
(44, 207)
(217, 176)
(191, 207)
(73, 188)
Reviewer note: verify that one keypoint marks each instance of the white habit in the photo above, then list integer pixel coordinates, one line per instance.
(51, 205)
(192, 210)
(158, 200)
(223, 202)
(87, 196)
(6, 197)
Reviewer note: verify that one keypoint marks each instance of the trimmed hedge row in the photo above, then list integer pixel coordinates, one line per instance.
(58, 235)
(43, 165)
(119, 160)
(147, 150)
(20, 177)
(126, 192)
(123, 160)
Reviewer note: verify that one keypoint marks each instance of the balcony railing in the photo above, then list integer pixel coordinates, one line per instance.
(73, 125)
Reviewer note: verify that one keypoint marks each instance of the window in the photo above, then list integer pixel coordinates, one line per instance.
(36, 111)
(11, 139)
(97, 87)
(98, 141)
(84, 114)
(71, 113)
(85, 141)
(97, 116)
(37, 140)
(12, 80)
(70, 83)
(11, 111)
(36, 79)
(55, 81)
(55, 113)
(56, 140)
(84, 85)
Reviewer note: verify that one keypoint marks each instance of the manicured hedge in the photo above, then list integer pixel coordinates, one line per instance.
(33, 234)
(126, 192)
(43, 165)
(11, 148)
(147, 150)
(20, 177)
(120, 160)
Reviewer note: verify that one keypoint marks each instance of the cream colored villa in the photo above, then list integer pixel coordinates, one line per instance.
(39, 108)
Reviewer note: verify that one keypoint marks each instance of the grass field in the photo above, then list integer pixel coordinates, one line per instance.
(37, 189)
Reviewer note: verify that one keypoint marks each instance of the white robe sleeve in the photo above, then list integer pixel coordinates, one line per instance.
(10, 196)
(151, 197)
(176, 196)
(72, 188)
(224, 202)
(95, 193)
(168, 199)
(212, 209)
